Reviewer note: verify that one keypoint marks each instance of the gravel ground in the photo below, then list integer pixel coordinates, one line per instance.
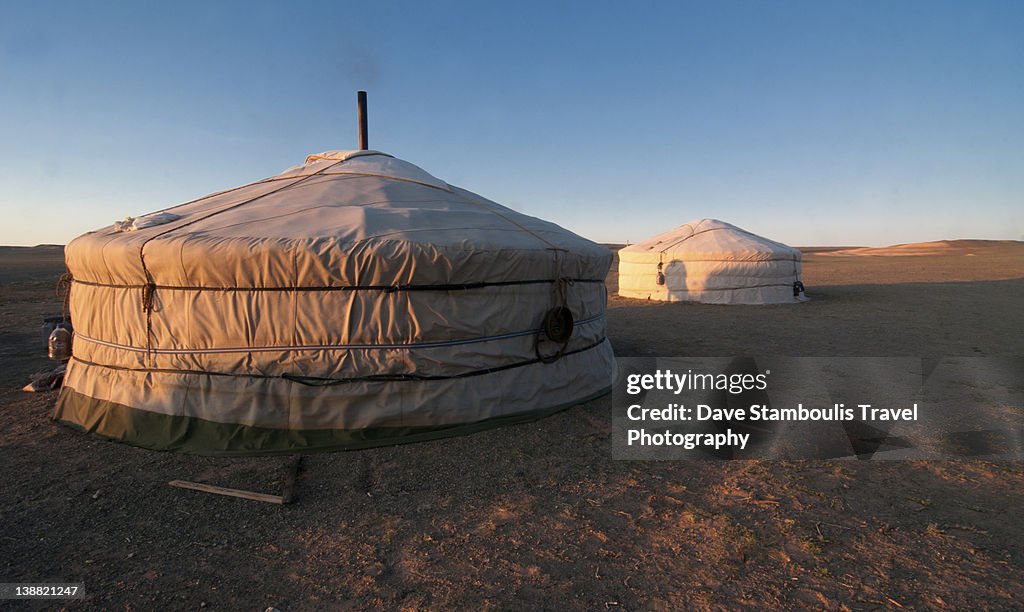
(539, 515)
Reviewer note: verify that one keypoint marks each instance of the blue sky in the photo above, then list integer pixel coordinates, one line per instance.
(809, 122)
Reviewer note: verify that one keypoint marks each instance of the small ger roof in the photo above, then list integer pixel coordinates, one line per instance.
(711, 239)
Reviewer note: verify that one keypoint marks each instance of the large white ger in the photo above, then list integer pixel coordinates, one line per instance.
(352, 301)
(713, 262)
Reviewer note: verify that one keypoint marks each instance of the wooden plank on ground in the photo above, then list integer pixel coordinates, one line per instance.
(206, 488)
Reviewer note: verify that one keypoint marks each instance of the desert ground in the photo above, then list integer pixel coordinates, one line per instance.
(540, 516)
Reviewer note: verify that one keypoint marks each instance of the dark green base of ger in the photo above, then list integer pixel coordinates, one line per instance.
(196, 436)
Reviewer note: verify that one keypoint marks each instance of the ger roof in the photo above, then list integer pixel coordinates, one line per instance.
(712, 239)
(342, 217)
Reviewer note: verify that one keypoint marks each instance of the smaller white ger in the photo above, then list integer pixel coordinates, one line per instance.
(713, 262)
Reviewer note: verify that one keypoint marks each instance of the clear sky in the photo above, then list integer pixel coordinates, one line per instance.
(813, 123)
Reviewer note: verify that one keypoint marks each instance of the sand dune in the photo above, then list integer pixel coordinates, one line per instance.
(938, 247)
(45, 261)
(923, 262)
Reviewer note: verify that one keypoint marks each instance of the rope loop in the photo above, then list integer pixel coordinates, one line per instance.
(558, 323)
(148, 290)
(63, 291)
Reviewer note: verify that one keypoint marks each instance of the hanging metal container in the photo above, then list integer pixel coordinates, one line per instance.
(59, 344)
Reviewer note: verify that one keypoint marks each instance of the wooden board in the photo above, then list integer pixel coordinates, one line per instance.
(198, 486)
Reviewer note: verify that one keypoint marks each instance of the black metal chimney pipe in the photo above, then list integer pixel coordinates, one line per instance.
(364, 138)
